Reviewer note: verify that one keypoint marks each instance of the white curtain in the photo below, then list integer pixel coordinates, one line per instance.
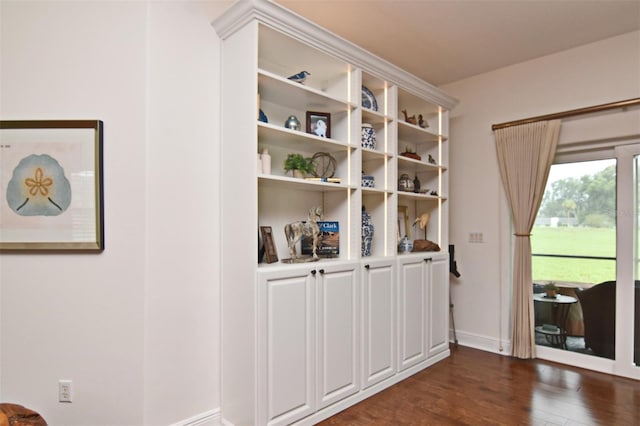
(525, 154)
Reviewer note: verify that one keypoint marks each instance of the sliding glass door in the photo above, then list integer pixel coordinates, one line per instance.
(574, 249)
(586, 241)
(628, 271)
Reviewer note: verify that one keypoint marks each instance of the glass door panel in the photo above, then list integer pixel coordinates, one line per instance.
(574, 247)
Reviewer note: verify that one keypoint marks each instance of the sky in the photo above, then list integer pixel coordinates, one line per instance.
(562, 171)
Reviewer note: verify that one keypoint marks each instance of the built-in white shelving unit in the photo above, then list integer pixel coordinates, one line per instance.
(302, 341)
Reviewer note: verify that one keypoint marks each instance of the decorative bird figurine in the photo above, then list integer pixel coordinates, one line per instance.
(422, 122)
(410, 120)
(300, 77)
(422, 221)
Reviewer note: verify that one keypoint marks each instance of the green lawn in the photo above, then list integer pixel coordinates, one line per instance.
(573, 241)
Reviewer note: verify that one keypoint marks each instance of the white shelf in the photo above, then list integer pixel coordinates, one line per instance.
(288, 183)
(418, 165)
(297, 96)
(366, 191)
(373, 154)
(374, 118)
(415, 134)
(420, 197)
(279, 136)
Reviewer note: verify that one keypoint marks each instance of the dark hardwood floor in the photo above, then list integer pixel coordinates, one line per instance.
(474, 387)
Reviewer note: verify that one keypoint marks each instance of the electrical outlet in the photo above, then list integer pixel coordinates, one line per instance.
(64, 391)
(476, 237)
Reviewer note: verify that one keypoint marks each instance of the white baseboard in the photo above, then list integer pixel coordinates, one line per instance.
(485, 343)
(208, 418)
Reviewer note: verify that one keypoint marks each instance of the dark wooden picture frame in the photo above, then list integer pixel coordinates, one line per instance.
(314, 119)
(270, 253)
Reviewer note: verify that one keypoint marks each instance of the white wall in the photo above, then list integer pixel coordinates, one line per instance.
(593, 74)
(136, 327)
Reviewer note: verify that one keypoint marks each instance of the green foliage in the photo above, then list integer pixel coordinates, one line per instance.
(299, 162)
(551, 286)
(582, 196)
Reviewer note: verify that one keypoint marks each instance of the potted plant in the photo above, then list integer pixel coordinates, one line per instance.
(299, 165)
(551, 289)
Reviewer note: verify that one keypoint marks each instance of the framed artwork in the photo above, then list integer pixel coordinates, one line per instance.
(319, 123)
(403, 223)
(270, 254)
(51, 185)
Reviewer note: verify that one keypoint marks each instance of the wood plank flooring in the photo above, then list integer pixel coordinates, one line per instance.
(474, 387)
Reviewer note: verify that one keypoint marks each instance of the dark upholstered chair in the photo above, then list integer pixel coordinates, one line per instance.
(599, 312)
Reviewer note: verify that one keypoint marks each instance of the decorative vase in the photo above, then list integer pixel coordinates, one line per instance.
(405, 246)
(367, 233)
(266, 162)
(298, 174)
(368, 181)
(368, 138)
(405, 183)
(292, 123)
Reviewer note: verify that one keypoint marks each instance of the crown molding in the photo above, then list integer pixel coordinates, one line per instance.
(268, 13)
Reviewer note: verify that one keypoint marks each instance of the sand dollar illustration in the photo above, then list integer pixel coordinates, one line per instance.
(38, 187)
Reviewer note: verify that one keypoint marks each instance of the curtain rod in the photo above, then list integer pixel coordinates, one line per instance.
(571, 113)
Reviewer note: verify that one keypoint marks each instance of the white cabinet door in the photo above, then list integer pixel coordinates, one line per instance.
(378, 322)
(438, 305)
(286, 359)
(412, 311)
(338, 336)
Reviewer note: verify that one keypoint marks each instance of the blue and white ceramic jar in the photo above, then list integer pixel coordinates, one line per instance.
(368, 181)
(405, 246)
(367, 233)
(368, 136)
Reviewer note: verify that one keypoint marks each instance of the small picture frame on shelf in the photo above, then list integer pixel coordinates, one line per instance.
(260, 248)
(270, 253)
(319, 123)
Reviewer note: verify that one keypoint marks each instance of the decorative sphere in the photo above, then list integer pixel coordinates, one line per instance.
(292, 123)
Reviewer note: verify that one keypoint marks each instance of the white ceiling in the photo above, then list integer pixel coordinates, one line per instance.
(443, 41)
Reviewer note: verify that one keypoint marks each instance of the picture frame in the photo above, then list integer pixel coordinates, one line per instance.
(270, 253)
(319, 123)
(403, 222)
(51, 184)
(260, 248)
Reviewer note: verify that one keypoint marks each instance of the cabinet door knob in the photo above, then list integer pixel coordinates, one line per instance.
(321, 271)
(366, 266)
(313, 272)
(428, 259)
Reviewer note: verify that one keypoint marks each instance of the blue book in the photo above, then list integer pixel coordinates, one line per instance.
(329, 240)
